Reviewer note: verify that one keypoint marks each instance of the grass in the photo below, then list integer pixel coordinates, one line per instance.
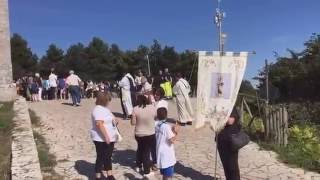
(35, 120)
(303, 149)
(47, 160)
(6, 125)
(256, 132)
(293, 156)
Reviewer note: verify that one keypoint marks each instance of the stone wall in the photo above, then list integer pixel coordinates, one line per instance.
(25, 162)
(7, 90)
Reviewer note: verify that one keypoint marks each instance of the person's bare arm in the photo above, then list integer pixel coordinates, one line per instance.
(115, 121)
(103, 131)
(134, 119)
(173, 140)
(175, 131)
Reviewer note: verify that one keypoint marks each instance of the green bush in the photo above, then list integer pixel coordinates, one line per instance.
(256, 131)
(304, 147)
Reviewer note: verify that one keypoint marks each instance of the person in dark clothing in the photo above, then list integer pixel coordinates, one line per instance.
(125, 115)
(229, 158)
(133, 92)
(159, 79)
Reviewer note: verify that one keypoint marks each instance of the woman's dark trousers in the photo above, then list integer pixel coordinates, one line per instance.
(230, 164)
(104, 154)
(143, 152)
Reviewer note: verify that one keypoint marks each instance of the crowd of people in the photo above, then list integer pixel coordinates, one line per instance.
(176, 85)
(144, 102)
(36, 88)
(155, 137)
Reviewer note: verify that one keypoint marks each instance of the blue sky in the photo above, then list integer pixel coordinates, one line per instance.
(261, 25)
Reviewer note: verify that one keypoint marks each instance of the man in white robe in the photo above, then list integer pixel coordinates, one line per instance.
(181, 90)
(126, 94)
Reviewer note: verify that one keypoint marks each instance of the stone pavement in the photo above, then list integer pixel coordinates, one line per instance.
(66, 129)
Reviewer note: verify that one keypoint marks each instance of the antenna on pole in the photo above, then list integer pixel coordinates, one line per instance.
(218, 19)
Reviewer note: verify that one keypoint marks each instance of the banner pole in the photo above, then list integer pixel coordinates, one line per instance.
(218, 21)
(216, 158)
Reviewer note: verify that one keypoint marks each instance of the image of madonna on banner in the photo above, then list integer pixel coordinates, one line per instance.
(219, 80)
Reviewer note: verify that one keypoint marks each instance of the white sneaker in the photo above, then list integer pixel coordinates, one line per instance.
(150, 175)
(138, 170)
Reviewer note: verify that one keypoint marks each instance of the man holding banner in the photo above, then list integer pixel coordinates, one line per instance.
(182, 89)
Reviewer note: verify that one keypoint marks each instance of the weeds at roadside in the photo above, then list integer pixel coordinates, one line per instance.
(6, 126)
(35, 120)
(47, 160)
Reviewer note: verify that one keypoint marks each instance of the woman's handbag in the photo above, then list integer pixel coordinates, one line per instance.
(118, 135)
(239, 140)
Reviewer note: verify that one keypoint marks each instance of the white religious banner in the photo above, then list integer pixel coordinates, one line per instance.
(219, 80)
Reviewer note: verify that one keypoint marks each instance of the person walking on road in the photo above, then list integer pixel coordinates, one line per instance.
(182, 89)
(53, 78)
(73, 81)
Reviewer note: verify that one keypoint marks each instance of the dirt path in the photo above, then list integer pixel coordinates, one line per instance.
(66, 129)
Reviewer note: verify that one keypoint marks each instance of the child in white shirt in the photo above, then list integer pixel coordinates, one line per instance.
(165, 136)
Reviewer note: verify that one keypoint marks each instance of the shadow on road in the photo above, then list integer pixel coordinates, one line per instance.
(85, 168)
(191, 173)
(130, 176)
(67, 104)
(117, 114)
(125, 157)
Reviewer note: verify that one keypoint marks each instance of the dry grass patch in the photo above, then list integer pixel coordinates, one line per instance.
(47, 160)
(6, 125)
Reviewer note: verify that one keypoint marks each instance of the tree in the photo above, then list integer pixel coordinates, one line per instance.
(247, 88)
(99, 65)
(155, 56)
(296, 77)
(23, 60)
(54, 58)
(99, 62)
(77, 60)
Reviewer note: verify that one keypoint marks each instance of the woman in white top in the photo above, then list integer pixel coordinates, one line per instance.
(103, 134)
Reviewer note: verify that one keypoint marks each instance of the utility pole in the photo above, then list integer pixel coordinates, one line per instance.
(267, 81)
(149, 71)
(220, 15)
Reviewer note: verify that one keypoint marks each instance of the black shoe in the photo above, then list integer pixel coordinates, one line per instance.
(182, 124)
(154, 167)
(111, 178)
